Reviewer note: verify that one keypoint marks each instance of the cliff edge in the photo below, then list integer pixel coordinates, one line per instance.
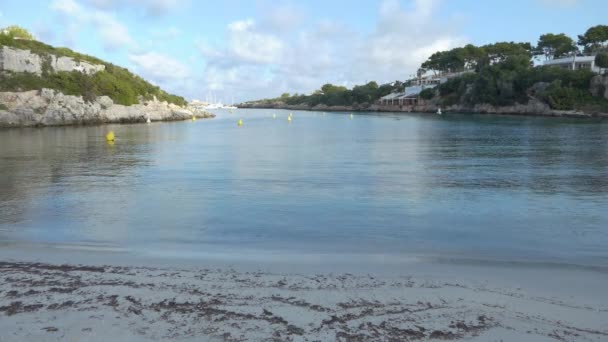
(48, 107)
(41, 85)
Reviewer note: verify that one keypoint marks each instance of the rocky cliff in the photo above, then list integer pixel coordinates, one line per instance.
(17, 60)
(599, 86)
(48, 107)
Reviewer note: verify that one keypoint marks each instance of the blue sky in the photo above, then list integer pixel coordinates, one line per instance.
(252, 49)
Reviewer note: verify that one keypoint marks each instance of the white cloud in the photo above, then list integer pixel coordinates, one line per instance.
(150, 7)
(405, 38)
(259, 61)
(158, 7)
(282, 18)
(67, 7)
(159, 67)
(114, 34)
(249, 45)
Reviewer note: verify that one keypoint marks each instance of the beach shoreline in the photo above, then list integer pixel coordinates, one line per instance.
(94, 297)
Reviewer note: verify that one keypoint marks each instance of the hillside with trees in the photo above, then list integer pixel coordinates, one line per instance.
(504, 73)
(122, 86)
(334, 95)
(498, 74)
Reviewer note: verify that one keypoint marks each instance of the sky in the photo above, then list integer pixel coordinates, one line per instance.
(244, 50)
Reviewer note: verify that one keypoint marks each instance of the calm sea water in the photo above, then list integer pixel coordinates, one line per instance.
(487, 187)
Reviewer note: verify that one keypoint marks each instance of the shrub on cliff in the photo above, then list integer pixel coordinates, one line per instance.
(15, 31)
(601, 60)
(565, 97)
(496, 84)
(427, 94)
(561, 98)
(507, 83)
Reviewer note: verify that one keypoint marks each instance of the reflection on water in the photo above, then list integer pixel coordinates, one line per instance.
(456, 185)
(37, 162)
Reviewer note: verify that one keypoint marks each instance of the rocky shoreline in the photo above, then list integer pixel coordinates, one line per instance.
(598, 88)
(533, 108)
(48, 107)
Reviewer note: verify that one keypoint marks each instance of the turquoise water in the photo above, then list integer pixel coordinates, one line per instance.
(472, 186)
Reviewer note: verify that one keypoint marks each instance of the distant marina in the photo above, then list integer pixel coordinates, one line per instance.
(211, 103)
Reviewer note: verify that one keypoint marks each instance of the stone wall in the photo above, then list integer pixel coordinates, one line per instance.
(17, 60)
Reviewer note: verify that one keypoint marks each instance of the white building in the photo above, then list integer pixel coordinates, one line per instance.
(408, 97)
(410, 94)
(574, 63)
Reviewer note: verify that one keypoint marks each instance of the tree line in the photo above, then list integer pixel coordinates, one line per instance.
(470, 57)
(335, 95)
(504, 74)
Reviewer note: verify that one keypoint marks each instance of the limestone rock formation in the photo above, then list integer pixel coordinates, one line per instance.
(17, 60)
(48, 107)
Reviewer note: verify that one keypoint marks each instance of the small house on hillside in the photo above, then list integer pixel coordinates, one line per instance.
(410, 95)
(574, 63)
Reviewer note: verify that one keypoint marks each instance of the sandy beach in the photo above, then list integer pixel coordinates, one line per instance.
(375, 171)
(70, 302)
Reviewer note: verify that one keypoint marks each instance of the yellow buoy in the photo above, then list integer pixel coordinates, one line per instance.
(289, 118)
(240, 122)
(110, 136)
(193, 118)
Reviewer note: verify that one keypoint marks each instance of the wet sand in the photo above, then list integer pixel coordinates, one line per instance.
(68, 302)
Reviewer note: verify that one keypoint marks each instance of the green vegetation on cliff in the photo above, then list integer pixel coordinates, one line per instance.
(15, 31)
(504, 74)
(122, 86)
(514, 81)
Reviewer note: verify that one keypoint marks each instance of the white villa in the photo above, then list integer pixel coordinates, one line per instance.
(574, 63)
(409, 96)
